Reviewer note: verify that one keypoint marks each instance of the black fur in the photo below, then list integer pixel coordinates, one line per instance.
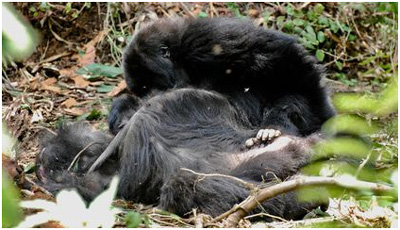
(200, 130)
(249, 79)
(121, 111)
(58, 152)
(266, 75)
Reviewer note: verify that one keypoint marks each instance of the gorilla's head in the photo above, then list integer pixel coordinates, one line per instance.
(151, 59)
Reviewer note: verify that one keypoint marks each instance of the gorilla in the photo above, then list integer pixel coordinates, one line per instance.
(59, 166)
(268, 76)
(213, 96)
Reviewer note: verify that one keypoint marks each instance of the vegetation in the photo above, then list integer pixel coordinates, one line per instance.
(76, 69)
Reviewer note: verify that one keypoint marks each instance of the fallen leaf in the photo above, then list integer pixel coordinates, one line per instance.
(69, 103)
(90, 50)
(253, 12)
(49, 81)
(80, 81)
(75, 111)
(54, 89)
(70, 72)
(117, 89)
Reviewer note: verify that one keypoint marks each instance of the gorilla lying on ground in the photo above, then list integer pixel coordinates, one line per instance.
(198, 130)
(254, 86)
(56, 169)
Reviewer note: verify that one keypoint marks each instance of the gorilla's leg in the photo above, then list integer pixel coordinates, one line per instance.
(216, 195)
(278, 160)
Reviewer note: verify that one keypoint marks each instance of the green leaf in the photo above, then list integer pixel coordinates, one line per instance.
(310, 35)
(289, 25)
(96, 69)
(11, 213)
(279, 21)
(321, 36)
(341, 147)
(104, 88)
(323, 20)
(318, 8)
(202, 14)
(320, 55)
(234, 8)
(32, 9)
(30, 168)
(68, 7)
(94, 115)
(289, 10)
(339, 65)
(352, 37)
(334, 26)
(133, 219)
(298, 22)
(348, 124)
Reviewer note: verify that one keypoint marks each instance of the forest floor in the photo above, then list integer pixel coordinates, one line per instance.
(54, 84)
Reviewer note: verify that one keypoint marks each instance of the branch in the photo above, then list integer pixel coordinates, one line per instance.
(79, 154)
(246, 184)
(241, 210)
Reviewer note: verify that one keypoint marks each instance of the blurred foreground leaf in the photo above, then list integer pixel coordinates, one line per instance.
(19, 38)
(349, 124)
(11, 213)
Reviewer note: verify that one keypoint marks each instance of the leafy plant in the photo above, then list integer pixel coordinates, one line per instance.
(352, 151)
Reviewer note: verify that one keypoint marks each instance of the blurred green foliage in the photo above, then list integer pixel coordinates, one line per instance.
(354, 147)
(11, 213)
(19, 38)
(135, 220)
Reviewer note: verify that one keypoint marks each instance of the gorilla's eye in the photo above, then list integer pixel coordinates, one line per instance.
(165, 51)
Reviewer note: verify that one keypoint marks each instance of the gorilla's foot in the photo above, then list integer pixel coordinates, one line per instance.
(263, 136)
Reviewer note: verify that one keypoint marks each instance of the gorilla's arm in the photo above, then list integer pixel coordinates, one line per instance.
(121, 111)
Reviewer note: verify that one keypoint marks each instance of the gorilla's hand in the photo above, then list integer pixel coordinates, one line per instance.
(264, 136)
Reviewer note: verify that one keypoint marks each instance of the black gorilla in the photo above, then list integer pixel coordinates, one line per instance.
(205, 87)
(200, 130)
(58, 153)
(266, 75)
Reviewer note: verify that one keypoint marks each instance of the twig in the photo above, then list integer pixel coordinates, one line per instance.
(304, 5)
(262, 195)
(213, 10)
(45, 50)
(187, 10)
(38, 187)
(299, 223)
(58, 37)
(79, 154)
(363, 163)
(267, 215)
(55, 57)
(248, 185)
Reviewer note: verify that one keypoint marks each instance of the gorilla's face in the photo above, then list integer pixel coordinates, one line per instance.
(150, 61)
